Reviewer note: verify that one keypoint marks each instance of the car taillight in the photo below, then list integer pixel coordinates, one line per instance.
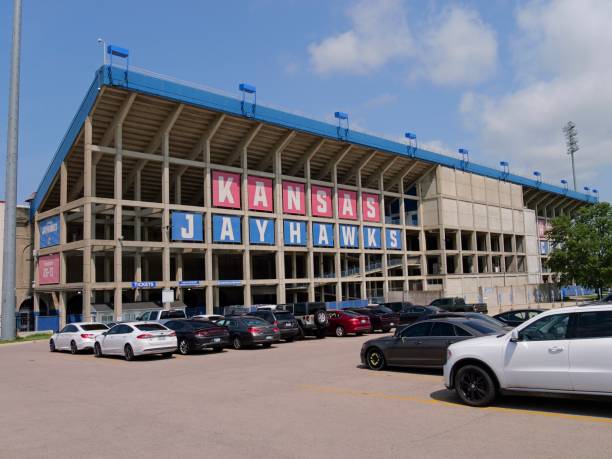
(275, 322)
(275, 329)
(145, 336)
(87, 335)
(202, 333)
(253, 330)
(172, 333)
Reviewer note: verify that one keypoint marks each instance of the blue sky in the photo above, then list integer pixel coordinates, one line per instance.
(498, 77)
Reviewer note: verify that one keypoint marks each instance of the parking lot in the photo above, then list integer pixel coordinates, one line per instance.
(303, 399)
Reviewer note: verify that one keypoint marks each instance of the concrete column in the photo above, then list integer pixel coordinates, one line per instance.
(362, 260)
(402, 211)
(62, 309)
(278, 226)
(118, 217)
(383, 238)
(137, 235)
(246, 254)
(166, 212)
(337, 257)
(211, 301)
(87, 193)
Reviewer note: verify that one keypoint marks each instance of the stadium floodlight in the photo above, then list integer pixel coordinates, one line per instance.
(587, 189)
(538, 176)
(342, 116)
(412, 145)
(596, 193)
(564, 183)
(118, 51)
(504, 163)
(248, 88)
(245, 89)
(465, 156)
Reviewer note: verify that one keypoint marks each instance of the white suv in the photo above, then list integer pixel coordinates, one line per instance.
(563, 351)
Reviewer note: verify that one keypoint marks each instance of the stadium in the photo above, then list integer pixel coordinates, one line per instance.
(163, 190)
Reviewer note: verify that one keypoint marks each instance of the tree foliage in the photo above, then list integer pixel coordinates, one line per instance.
(582, 247)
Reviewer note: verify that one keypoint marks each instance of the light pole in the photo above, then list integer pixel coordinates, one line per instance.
(103, 43)
(571, 140)
(10, 223)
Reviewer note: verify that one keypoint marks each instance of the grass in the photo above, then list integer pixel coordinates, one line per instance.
(34, 337)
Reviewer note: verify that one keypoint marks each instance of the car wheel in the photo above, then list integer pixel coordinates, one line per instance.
(97, 350)
(375, 359)
(289, 339)
(167, 355)
(52, 346)
(217, 348)
(237, 343)
(267, 344)
(340, 331)
(128, 352)
(183, 347)
(320, 317)
(475, 386)
(73, 348)
(301, 334)
(321, 333)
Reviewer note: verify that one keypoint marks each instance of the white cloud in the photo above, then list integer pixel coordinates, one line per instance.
(458, 48)
(565, 72)
(378, 35)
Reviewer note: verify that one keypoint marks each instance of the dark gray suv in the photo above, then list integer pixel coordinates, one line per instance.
(284, 320)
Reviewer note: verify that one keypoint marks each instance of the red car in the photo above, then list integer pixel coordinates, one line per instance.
(343, 322)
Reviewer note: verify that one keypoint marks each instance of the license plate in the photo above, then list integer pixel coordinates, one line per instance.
(287, 325)
(268, 337)
(161, 338)
(217, 340)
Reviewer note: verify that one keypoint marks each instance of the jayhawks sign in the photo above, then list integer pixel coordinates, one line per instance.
(187, 226)
(49, 229)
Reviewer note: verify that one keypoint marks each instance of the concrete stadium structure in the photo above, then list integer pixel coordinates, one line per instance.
(161, 185)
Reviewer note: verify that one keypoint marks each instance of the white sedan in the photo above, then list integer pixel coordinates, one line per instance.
(133, 339)
(76, 337)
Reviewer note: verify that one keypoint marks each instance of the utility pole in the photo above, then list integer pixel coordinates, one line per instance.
(8, 266)
(571, 140)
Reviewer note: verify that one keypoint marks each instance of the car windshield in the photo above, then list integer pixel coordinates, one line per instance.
(487, 319)
(482, 327)
(254, 321)
(383, 310)
(92, 327)
(150, 327)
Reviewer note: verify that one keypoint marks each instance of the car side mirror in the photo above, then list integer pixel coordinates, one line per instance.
(514, 336)
(105, 333)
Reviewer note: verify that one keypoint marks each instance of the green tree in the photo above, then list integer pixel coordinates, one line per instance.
(582, 247)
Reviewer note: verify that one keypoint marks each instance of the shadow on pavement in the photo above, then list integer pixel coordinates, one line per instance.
(575, 406)
(400, 370)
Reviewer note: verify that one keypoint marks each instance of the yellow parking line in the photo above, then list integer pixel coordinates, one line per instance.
(426, 401)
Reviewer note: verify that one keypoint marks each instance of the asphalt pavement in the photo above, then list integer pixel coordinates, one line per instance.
(295, 400)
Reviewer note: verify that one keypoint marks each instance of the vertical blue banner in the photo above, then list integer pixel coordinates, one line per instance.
(393, 239)
(371, 237)
(187, 226)
(49, 229)
(349, 236)
(294, 232)
(226, 229)
(261, 231)
(323, 234)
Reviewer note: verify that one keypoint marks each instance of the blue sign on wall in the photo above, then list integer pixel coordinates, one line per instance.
(226, 229)
(261, 231)
(187, 226)
(323, 234)
(189, 283)
(294, 232)
(371, 237)
(144, 284)
(393, 240)
(49, 231)
(349, 236)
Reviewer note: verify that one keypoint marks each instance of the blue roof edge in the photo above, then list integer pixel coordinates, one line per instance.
(136, 81)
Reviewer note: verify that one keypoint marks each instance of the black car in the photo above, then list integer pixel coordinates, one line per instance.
(196, 335)
(517, 316)
(284, 320)
(381, 318)
(249, 330)
(423, 344)
(312, 318)
(410, 313)
(470, 315)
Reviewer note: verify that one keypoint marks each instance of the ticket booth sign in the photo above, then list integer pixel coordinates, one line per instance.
(49, 269)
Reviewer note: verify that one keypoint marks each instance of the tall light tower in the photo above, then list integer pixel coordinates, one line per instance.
(571, 140)
(8, 265)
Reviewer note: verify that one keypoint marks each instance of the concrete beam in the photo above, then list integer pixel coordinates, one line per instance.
(278, 149)
(374, 178)
(106, 139)
(358, 166)
(244, 143)
(306, 157)
(154, 144)
(404, 172)
(334, 162)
